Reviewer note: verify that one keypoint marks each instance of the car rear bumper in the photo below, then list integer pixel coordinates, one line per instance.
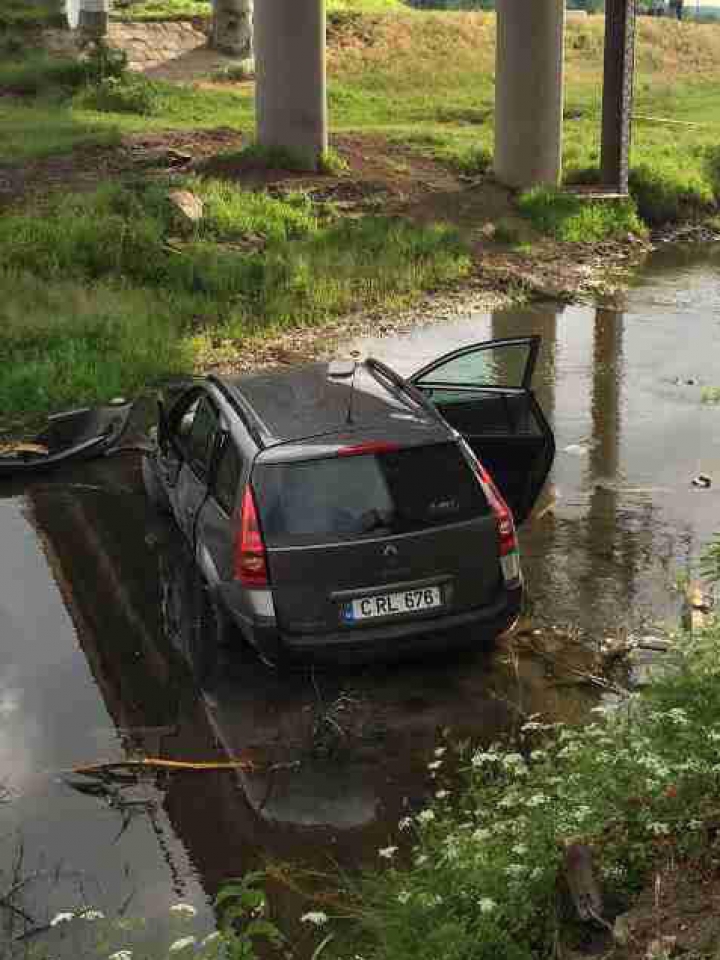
(389, 641)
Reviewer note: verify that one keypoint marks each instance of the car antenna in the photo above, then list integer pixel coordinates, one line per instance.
(349, 419)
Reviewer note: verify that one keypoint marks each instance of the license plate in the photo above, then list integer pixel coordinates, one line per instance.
(392, 604)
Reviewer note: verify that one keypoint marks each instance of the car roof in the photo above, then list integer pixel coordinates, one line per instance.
(346, 399)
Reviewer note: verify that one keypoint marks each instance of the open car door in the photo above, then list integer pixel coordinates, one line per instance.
(484, 391)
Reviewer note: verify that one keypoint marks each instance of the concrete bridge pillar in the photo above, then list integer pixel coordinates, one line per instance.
(291, 88)
(529, 92)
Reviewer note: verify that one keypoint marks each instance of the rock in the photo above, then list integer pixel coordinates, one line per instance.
(622, 929)
(187, 207)
(661, 948)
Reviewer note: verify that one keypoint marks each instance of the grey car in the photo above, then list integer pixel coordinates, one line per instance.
(340, 510)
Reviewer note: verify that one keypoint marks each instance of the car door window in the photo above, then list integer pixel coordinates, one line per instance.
(499, 364)
(200, 440)
(227, 478)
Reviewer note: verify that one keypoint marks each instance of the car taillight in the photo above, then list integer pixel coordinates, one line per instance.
(509, 552)
(250, 554)
(372, 447)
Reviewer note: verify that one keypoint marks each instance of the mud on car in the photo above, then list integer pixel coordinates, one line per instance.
(341, 510)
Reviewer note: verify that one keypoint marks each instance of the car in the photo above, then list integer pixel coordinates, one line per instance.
(340, 510)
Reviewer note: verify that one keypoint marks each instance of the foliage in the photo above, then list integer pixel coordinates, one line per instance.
(128, 94)
(640, 785)
(567, 216)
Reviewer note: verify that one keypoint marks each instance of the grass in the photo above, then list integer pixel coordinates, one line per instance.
(568, 217)
(185, 9)
(106, 295)
(21, 14)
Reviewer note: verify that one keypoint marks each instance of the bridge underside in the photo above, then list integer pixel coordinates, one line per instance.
(292, 101)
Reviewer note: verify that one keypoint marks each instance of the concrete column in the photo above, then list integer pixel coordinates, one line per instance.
(93, 17)
(529, 92)
(291, 89)
(232, 30)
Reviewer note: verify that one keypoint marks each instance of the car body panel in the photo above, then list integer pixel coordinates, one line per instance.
(484, 392)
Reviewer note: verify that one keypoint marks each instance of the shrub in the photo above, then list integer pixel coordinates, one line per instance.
(128, 94)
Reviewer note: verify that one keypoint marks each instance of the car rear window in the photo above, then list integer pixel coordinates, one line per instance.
(348, 498)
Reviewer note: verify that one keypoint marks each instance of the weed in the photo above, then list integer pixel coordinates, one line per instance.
(711, 395)
(332, 164)
(569, 217)
(475, 160)
(128, 94)
(40, 73)
(506, 232)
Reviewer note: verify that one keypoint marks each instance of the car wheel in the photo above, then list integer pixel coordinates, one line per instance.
(156, 493)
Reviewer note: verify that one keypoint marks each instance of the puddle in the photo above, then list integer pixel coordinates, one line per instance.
(101, 620)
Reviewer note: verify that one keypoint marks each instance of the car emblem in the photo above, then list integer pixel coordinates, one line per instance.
(390, 551)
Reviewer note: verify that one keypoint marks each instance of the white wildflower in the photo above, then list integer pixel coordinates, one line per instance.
(121, 955)
(537, 800)
(714, 735)
(425, 816)
(440, 751)
(404, 896)
(182, 944)
(486, 905)
(61, 918)
(659, 829)
(520, 849)
(387, 853)
(678, 716)
(442, 794)
(92, 915)
(405, 823)
(183, 910)
(480, 758)
(434, 764)
(316, 917)
(536, 873)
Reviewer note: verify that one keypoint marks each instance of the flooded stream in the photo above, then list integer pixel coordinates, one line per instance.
(101, 620)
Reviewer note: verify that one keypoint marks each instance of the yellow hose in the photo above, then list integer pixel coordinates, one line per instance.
(154, 763)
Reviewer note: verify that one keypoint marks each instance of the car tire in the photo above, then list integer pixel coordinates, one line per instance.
(156, 493)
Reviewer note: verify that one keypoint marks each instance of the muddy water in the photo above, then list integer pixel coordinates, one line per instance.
(101, 620)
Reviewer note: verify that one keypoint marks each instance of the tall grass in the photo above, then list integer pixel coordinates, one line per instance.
(568, 217)
(106, 289)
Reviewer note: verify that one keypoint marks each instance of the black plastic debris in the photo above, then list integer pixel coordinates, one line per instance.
(71, 436)
(703, 481)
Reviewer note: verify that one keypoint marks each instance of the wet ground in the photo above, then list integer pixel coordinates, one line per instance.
(101, 623)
